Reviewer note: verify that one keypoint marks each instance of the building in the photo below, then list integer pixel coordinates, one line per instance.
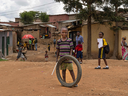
(42, 31)
(96, 28)
(55, 19)
(11, 26)
(6, 42)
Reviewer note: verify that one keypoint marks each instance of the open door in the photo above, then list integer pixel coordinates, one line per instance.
(3, 45)
(7, 43)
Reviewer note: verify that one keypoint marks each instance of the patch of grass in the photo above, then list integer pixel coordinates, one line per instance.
(3, 59)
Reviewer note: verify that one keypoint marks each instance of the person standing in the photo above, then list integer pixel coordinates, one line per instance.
(49, 47)
(78, 49)
(64, 47)
(36, 44)
(54, 41)
(46, 56)
(33, 44)
(79, 38)
(102, 52)
(30, 43)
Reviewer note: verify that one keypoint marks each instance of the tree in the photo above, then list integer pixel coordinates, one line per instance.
(29, 17)
(35, 14)
(26, 17)
(86, 9)
(111, 13)
(44, 17)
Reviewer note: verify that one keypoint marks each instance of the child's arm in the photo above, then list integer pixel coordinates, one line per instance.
(57, 55)
(103, 46)
(71, 51)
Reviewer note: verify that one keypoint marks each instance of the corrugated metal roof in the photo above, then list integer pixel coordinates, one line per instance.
(3, 24)
(10, 23)
(68, 21)
(42, 25)
(3, 30)
(51, 26)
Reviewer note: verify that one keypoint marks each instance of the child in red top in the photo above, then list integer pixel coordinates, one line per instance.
(46, 56)
(79, 48)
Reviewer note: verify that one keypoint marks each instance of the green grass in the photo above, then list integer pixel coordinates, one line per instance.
(2, 59)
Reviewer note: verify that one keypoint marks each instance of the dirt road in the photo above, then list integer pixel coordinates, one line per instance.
(34, 79)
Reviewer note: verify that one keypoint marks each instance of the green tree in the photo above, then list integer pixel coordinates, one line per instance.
(29, 17)
(44, 17)
(35, 14)
(86, 9)
(111, 13)
(26, 17)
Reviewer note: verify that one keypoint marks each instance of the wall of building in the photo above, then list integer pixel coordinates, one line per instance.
(10, 47)
(14, 41)
(56, 18)
(34, 26)
(72, 17)
(96, 28)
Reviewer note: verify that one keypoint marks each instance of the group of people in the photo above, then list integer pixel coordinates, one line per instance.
(32, 44)
(27, 45)
(65, 47)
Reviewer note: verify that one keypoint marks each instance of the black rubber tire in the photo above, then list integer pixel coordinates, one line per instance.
(79, 73)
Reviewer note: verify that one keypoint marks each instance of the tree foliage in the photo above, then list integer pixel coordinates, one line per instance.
(26, 17)
(44, 17)
(113, 13)
(30, 16)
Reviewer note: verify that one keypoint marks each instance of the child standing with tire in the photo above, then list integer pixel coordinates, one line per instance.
(64, 47)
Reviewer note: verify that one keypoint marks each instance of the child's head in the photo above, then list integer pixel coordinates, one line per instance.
(46, 52)
(124, 38)
(79, 42)
(64, 32)
(101, 34)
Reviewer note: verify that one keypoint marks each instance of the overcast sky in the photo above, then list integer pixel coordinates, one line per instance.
(10, 9)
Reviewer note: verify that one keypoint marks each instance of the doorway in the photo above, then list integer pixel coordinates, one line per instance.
(73, 35)
(3, 45)
(7, 43)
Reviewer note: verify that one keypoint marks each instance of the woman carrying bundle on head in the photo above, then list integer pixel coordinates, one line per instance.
(124, 49)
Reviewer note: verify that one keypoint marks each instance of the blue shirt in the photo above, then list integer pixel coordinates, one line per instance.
(80, 38)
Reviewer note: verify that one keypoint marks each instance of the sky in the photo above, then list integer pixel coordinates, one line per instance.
(10, 9)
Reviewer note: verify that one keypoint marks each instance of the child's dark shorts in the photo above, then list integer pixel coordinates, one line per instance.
(101, 53)
(79, 54)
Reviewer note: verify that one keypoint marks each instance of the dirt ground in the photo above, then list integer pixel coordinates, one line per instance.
(33, 77)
